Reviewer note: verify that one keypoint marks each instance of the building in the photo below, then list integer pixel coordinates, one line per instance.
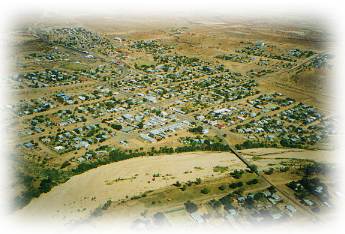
(59, 148)
(29, 145)
(197, 217)
(291, 209)
(148, 138)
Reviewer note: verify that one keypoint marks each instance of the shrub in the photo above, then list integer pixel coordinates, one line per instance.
(116, 126)
(198, 181)
(215, 203)
(237, 173)
(190, 207)
(253, 181)
(46, 185)
(269, 171)
(284, 169)
(236, 185)
(205, 191)
(253, 167)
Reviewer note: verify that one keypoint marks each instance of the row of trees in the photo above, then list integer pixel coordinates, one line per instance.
(254, 144)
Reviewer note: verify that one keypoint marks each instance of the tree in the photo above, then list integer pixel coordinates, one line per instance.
(249, 202)
(205, 191)
(159, 218)
(272, 189)
(196, 129)
(259, 196)
(215, 203)
(46, 185)
(253, 181)
(190, 207)
(236, 184)
(254, 168)
(140, 125)
(269, 171)
(116, 126)
(237, 173)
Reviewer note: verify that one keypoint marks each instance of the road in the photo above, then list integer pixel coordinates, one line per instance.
(259, 173)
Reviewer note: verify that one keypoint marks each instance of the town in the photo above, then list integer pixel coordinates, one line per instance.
(86, 100)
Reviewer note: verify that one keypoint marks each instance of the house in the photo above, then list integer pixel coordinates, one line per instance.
(319, 189)
(81, 159)
(260, 44)
(231, 211)
(200, 117)
(45, 140)
(241, 118)
(148, 138)
(59, 148)
(128, 117)
(127, 129)
(241, 198)
(138, 118)
(276, 197)
(83, 98)
(197, 217)
(29, 145)
(84, 144)
(291, 209)
(267, 193)
(276, 216)
(220, 126)
(151, 99)
(88, 156)
(64, 98)
(221, 111)
(273, 201)
(308, 202)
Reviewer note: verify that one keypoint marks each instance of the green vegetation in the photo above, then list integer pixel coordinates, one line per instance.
(197, 129)
(248, 144)
(269, 171)
(99, 210)
(251, 182)
(215, 203)
(205, 191)
(220, 169)
(116, 126)
(235, 185)
(253, 168)
(190, 207)
(236, 173)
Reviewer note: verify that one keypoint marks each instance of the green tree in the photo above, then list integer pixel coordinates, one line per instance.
(190, 207)
(46, 185)
(205, 191)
